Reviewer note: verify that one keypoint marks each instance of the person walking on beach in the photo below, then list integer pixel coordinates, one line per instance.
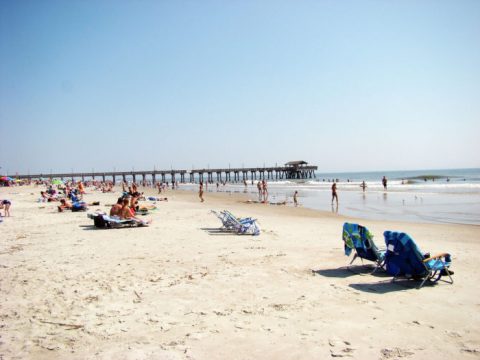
(295, 200)
(384, 182)
(334, 193)
(200, 191)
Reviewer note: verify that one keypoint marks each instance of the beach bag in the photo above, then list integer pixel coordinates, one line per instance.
(100, 222)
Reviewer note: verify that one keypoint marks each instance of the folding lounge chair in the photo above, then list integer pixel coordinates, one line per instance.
(404, 259)
(228, 219)
(240, 226)
(359, 239)
(222, 217)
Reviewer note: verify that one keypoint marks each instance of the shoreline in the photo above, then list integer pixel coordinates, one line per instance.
(176, 290)
(357, 208)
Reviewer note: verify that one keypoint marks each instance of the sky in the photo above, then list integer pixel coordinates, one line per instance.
(344, 85)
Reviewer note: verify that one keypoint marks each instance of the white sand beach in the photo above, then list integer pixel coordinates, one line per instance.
(179, 290)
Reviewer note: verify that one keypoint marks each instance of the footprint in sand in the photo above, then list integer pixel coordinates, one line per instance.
(340, 348)
(394, 353)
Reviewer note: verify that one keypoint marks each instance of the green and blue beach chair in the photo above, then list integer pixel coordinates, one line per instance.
(358, 239)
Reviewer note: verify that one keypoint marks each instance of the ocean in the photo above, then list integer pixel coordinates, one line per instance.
(431, 196)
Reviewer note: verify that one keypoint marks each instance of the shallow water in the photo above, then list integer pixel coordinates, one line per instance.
(447, 196)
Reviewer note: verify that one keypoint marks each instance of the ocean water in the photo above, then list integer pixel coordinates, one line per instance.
(432, 196)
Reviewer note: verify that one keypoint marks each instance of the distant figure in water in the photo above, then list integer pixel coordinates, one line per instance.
(384, 182)
(334, 193)
(363, 186)
(295, 200)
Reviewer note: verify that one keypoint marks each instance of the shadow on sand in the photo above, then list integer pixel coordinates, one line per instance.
(93, 227)
(218, 231)
(345, 272)
(385, 287)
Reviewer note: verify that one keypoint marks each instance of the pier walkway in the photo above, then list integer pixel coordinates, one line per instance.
(291, 170)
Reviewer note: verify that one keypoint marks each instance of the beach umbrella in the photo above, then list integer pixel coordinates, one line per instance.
(6, 178)
(57, 182)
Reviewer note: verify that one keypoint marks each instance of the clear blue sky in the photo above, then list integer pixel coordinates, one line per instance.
(345, 85)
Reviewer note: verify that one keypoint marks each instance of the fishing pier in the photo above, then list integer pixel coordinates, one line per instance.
(291, 170)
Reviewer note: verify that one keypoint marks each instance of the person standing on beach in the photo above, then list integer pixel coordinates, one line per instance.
(295, 200)
(200, 191)
(384, 182)
(81, 189)
(265, 191)
(5, 204)
(363, 185)
(334, 192)
(259, 187)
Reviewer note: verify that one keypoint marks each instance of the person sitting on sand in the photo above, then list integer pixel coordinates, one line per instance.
(117, 208)
(46, 197)
(64, 204)
(126, 213)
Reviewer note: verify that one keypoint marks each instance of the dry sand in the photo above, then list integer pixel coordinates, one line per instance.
(176, 290)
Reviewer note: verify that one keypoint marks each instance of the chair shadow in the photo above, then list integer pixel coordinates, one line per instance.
(335, 273)
(88, 227)
(345, 272)
(384, 287)
(92, 227)
(218, 231)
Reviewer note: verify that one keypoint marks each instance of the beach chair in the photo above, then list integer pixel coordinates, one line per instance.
(228, 219)
(404, 259)
(357, 238)
(244, 226)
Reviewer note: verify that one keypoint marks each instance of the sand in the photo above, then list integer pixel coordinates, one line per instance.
(179, 290)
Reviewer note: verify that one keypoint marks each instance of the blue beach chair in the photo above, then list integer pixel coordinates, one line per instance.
(404, 259)
(357, 238)
(245, 226)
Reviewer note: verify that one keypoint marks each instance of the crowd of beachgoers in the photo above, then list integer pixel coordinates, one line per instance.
(69, 196)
